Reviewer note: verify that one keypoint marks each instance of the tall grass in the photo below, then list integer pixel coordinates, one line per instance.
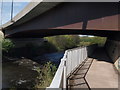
(45, 75)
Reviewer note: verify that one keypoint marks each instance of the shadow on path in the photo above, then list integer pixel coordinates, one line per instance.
(77, 79)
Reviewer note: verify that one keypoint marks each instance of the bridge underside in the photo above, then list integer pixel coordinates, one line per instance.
(47, 32)
(100, 19)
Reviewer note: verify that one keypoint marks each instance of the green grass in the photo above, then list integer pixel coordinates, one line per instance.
(86, 41)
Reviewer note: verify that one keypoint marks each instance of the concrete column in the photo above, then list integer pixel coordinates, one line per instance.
(1, 35)
(113, 50)
(1, 38)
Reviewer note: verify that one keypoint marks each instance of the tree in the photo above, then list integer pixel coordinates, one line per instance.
(63, 42)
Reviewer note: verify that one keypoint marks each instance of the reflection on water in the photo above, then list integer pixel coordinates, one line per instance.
(22, 74)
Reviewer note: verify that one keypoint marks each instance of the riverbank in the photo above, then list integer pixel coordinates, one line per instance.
(19, 74)
(30, 74)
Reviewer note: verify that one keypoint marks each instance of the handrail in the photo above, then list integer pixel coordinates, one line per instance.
(74, 58)
(59, 76)
(70, 61)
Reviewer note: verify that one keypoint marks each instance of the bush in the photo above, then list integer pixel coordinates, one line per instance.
(7, 45)
(45, 75)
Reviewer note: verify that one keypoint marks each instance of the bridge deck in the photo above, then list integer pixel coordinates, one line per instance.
(96, 72)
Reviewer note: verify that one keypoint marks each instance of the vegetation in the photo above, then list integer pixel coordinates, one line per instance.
(64, 42)
(39, 76)
(85, 41)
(45, 75)
(7, 45)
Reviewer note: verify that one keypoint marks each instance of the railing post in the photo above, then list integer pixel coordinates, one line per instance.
(64, 70)
(65, 76)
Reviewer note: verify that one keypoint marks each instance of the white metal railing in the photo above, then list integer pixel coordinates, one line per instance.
(74, 58)
(70, 61)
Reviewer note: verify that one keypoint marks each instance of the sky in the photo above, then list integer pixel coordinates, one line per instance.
(5, 13)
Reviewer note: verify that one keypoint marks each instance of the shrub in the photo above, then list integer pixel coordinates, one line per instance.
(45, 75)
(7, 45)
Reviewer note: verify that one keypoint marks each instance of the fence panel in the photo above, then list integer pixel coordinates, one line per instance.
(70, 61)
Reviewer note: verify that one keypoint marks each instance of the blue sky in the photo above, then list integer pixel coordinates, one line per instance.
(6, 10)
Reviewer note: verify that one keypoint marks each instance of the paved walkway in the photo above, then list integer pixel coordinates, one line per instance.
(96, 72)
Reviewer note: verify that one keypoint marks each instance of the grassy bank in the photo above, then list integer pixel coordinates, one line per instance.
(25, 73)
(63, 42)
(86, 41)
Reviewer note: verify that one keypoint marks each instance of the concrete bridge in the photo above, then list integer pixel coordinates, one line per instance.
(40, 19)
(46, 19)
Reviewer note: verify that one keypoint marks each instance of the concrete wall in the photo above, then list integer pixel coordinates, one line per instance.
(91, 49)
(113, 51)
(117, 64)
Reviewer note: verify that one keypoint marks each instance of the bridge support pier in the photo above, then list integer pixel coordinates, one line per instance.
(1, 35)
(1, 38)
(113, 51)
